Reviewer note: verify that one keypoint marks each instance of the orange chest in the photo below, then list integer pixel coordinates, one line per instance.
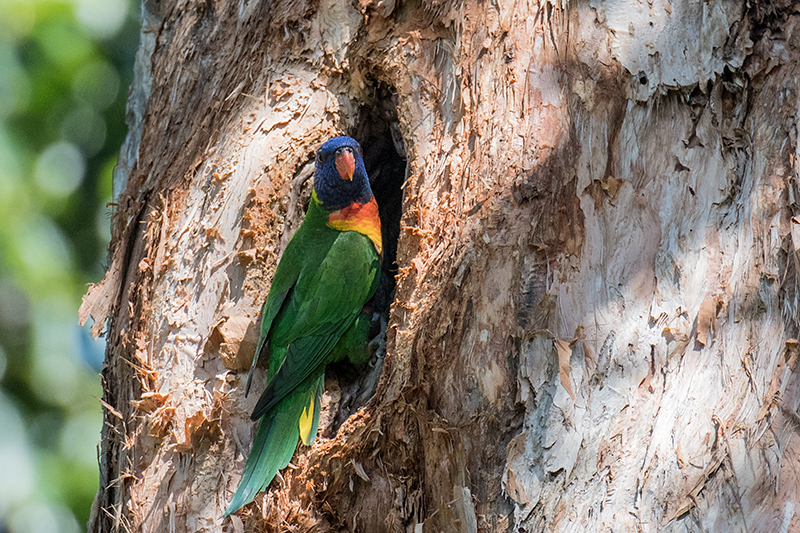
(362, 218)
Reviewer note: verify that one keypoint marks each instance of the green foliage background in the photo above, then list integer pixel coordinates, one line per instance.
(64, 71)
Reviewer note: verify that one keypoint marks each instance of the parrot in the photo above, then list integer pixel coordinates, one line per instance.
(314, 313)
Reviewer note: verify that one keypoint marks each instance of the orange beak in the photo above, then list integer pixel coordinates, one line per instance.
(346, 165)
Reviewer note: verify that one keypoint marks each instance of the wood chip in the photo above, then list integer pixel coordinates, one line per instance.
(707, 320)
(564, 354)
(359, 470)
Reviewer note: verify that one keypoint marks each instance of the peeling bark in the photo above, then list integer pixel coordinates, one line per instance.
(595, 209)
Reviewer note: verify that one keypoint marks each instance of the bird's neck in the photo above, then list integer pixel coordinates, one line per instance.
(361, 217)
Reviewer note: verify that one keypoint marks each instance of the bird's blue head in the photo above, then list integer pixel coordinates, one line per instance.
(340, 178)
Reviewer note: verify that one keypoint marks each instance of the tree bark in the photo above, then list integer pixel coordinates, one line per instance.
(596, 308)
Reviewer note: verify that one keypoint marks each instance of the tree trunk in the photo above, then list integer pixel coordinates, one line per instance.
(596, 305)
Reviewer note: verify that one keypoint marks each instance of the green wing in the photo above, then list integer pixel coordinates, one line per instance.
(282, 284)
(323, 304)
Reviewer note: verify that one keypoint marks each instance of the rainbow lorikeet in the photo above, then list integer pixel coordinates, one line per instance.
(314, 311)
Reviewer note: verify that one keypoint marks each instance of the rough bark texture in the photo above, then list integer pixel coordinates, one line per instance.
(597, 300)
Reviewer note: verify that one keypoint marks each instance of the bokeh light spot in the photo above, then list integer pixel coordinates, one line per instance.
(43, 251)
(79, 439)
(16, 463)
(60, 169)
(102, 18)
(43, 518)
(15, 85)
(56, 371)
(15, 308)
(85, 127)
(96, 84)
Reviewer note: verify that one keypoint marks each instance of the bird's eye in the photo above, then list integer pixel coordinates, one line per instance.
(321, 157)
(343, 149)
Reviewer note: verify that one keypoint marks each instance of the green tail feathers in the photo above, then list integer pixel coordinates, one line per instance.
(272, 450)
(295, 417)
